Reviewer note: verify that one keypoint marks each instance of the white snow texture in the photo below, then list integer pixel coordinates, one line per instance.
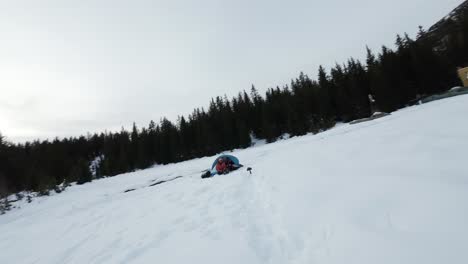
(392, 190)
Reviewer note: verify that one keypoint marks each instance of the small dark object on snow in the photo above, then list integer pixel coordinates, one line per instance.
(155, 183)
(159, 182)
(249, 170)
(207, 174)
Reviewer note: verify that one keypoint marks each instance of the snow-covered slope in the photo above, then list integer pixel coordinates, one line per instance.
(393, 190)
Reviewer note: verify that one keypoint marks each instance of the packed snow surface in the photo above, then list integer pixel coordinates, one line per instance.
(391, 190)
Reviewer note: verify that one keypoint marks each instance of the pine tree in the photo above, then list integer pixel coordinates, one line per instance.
(81, 172)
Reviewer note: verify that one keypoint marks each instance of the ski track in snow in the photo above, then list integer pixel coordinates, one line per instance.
(392, 190)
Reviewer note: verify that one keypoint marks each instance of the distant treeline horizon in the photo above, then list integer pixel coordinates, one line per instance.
(393, 78)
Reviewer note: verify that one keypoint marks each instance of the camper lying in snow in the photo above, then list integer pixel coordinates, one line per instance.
(223, 165)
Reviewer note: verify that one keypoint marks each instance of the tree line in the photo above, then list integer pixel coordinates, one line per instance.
(392, 78)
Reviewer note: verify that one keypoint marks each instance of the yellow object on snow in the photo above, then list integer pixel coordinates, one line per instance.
(463, 74)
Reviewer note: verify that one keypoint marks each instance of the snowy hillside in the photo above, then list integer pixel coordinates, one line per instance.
(393, 190)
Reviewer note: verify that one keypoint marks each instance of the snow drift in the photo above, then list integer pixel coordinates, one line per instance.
(391, 190)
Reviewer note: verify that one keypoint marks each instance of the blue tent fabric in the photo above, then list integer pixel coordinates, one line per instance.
(232, 158)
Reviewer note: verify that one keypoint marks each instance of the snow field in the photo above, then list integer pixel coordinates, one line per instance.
(392, 190)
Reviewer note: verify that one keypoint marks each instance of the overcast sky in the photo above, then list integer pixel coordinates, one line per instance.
(72, 67)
